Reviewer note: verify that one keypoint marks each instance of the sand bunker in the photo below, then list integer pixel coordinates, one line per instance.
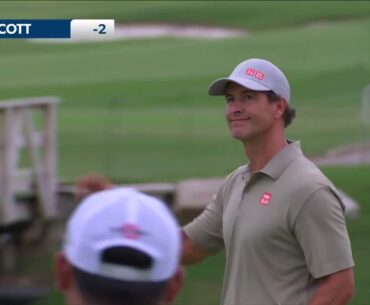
(152, 31)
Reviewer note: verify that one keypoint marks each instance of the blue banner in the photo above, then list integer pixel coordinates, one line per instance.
(35, 28)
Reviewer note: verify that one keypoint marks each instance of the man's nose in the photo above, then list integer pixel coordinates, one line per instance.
(236, 106)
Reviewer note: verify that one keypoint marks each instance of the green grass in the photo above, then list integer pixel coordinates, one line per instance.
(356, 182)
(139, 110)
(226, 13)
(203, 282)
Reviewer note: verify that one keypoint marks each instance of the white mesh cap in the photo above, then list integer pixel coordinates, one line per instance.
(255, 74)
(123, 217)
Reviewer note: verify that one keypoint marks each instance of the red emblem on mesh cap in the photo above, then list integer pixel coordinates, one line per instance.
(266, 197)
(131, 231)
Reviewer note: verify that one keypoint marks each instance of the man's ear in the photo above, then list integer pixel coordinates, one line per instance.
(281, 105)
(173, 287)
(63, 272)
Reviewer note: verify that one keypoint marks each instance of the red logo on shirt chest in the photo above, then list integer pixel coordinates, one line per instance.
(266, 197)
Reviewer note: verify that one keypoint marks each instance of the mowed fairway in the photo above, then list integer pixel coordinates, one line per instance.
(138, 110)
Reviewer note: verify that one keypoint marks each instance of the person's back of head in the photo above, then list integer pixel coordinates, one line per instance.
(122, 247)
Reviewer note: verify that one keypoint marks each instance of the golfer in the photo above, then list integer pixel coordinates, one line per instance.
(278, 218)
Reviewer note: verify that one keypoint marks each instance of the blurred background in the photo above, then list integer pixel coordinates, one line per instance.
(136, 109)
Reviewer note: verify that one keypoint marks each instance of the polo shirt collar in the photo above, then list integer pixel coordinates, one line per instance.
(276, 166)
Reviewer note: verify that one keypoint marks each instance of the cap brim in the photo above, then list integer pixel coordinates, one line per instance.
(218, 87)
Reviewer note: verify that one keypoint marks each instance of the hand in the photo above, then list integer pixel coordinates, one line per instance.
(90, 184)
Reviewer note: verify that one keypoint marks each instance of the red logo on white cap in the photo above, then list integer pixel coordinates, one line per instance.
(250, 72)
(260, 75)
(266, 197)
(257, 74)
(131, 231)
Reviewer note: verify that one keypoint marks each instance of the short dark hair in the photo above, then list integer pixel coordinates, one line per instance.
(289, 113)
(96, 289)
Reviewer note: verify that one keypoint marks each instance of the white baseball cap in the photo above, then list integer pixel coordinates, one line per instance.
(255, 74)
(123, 217)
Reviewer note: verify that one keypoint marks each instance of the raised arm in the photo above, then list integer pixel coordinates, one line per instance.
(90, 184)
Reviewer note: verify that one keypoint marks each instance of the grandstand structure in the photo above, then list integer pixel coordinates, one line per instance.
(28, 177)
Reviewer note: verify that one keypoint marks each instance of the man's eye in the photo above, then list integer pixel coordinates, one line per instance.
(229, 99)
(248, 97)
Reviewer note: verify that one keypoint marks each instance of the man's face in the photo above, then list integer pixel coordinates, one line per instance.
(249, 114)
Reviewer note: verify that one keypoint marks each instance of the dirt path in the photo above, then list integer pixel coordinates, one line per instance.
(345, 155)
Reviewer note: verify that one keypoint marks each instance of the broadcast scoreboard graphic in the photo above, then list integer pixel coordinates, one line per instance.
(56, 28)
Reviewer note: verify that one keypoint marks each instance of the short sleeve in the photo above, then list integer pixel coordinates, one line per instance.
(206, 229)
(322, 233)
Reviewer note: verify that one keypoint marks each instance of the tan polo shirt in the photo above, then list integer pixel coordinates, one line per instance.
(281, 228)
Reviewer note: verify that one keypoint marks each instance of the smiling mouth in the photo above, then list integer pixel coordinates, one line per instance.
(239, 120)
